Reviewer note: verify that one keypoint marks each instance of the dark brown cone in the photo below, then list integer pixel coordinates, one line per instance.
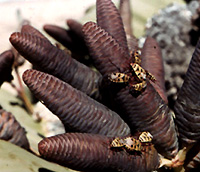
(77, 37)
(71, 38)
(75, 109)
(187, 106)
(148, 112)
(92, 152)
(76, 27)
(11, 130)
(152, 61)
(6, 63)
(58, 33)
(48, 58)
(107, 54)
(109, 19)
(132, 43)
(32, 31)
(125, 13)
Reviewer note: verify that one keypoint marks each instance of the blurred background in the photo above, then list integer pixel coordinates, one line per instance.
(40, 12)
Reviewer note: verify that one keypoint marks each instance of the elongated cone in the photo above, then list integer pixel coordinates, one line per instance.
(6, 63)
(32, 31)
(72, 38)
(187, 106)
(148, 112)
(75, 109)
(58, 33)
(92, 152)
(11, 130)
(152, 61)
(125, 13)
(76, 27)
(106, 52)
(50, 59)
(109, 19)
